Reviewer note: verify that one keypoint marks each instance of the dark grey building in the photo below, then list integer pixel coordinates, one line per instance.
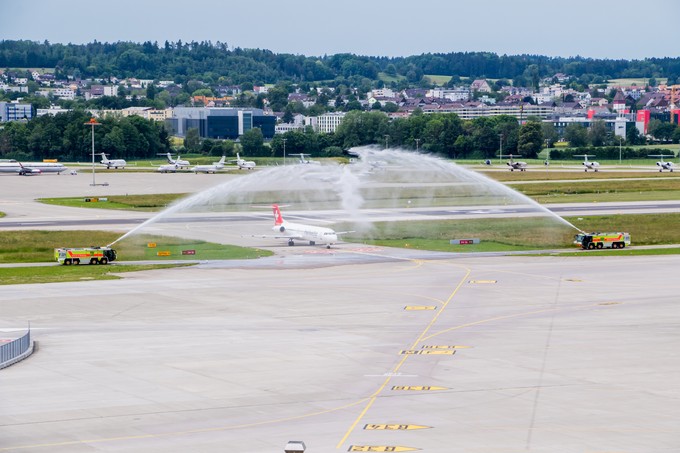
(221, 122)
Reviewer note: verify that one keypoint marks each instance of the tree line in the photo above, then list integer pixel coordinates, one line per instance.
(66, 137)
(217, 63)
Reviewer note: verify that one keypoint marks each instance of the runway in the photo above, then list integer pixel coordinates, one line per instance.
(351, 349)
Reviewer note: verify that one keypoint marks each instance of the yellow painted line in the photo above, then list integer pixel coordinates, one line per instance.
(439, 346)
(403, 360)
(420, 307)
(380, 448)
(428, 352)
(609, 303)
(395, 427)
(163, 253)
(483, 281)
(418, 388)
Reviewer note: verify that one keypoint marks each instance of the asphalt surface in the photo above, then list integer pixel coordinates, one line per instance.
(349, 349)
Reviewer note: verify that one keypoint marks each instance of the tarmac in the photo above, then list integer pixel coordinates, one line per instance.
(356, 348)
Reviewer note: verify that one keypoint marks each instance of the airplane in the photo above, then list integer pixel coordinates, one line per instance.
(243, 164)
(311, 233)
(521, 166)
(214, 168)
(306, 161)
(178, 162)
(30, 168)
(588, 164)
(115, 163)
(167, 168)
(664, 165)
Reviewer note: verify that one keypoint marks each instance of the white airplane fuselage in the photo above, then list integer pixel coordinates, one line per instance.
(113, 163)
(313, 234)
(40, 167)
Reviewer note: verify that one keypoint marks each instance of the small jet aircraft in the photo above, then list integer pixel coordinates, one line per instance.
(588, 164)
(243, 164)
(515, 165)
(662, 164)
(311, 233)
(115, 163)
(167, 168)
(30, 168)
(179, 163)
(214, 168)
(303, 160)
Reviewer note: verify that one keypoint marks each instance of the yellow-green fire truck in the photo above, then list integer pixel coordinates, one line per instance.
(591, 241)
(89, 255)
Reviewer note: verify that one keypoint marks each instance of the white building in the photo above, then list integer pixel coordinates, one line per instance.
(328, 122)
(64, 93)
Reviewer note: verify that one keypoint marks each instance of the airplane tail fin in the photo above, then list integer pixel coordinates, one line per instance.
(278, 218)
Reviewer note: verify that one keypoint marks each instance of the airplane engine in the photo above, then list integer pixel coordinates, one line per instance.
(282, 228)
(659, 164)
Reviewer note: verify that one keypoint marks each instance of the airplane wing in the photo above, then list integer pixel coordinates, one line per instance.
(344, 232)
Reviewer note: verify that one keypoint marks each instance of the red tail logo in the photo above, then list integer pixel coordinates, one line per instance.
(278, 219)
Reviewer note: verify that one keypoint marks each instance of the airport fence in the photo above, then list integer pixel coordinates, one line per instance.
(16, 350)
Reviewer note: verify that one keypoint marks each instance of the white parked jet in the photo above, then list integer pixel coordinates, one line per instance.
(243, 164)
(588, 164)
(30, 168)
(115, 163)
(214, 168)
(662, 164)
(311, 233)
(177, 162)
(167, 168)
(306, 161)
(515, 165)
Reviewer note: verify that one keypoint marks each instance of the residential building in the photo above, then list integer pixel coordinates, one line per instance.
(480, 85)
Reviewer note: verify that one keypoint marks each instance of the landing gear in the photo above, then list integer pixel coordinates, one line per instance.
(291, 243)
(328, 246)
(312, 243)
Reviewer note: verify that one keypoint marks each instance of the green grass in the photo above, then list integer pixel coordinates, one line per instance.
(151, 202)
(389, 79)
(514, 234)
(438, 79)
(2, 214)
(28, 246)
(638, 81)
(56, 273)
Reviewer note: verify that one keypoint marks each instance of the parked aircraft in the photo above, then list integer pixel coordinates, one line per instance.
(30, 168)
(115, 163)
(588, 164)
(311, 233)
(178, 162)
(214, 168)
(167, 168)
(243, 164)
(306, 161)
(515, 165)
(662, 164)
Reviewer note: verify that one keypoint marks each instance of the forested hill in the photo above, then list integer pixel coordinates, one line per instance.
(215, 62)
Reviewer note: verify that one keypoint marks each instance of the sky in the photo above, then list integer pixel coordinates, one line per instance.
(628, 29)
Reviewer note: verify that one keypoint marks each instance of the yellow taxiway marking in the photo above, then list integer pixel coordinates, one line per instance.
(163, 253)
(396, 368)
(482, 281)
(428, 352)
(380, 448)
(441, 346)
(395, 427)
(420, 307)
(609, 303)
(425, 388)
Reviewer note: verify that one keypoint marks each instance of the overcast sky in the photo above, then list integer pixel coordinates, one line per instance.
(630, 29)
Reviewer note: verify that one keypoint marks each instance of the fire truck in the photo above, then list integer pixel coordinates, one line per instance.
(90, 255)
(592, 241)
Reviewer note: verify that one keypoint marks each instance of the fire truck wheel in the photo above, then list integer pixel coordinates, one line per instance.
(67, 262)
(76, 261)
(103, 261)
(93, 261)
(599, 245)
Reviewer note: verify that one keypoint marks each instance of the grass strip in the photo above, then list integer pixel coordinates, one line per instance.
(56, 273)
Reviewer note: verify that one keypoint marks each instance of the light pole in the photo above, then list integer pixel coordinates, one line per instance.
(93, 122)
(500, 149)
(417, 144)
(387, 141)
(284, 151)
(620, 141)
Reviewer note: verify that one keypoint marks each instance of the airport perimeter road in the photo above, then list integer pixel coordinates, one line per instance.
(401, 353)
